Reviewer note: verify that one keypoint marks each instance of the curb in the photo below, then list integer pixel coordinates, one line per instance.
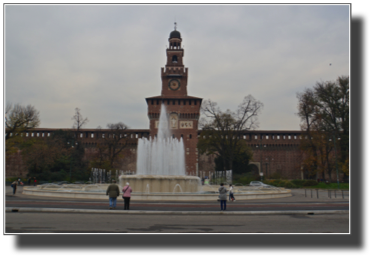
(60, 210)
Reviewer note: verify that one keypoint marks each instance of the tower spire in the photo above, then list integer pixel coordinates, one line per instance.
(175, 24)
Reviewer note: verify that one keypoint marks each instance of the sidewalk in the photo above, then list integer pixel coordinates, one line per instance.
(300, 203)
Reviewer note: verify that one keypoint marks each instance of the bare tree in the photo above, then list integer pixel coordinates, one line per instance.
(79, 121)
(113, 143)
(19, 119)
(221, 130)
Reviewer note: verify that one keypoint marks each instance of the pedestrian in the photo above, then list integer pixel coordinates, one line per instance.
(222, 196)
(231, 190)
(35, 181)
(14, 186)
(126, 196)
(113, 192)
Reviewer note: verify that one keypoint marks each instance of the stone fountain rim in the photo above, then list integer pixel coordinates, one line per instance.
(160, 177)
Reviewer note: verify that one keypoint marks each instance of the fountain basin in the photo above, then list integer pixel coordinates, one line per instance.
(161, 183)
(207, 193)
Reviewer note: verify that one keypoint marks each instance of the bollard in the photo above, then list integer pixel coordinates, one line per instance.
(317, 193)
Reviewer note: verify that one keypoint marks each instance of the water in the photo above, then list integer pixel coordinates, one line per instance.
(175, 188)
(162, 155)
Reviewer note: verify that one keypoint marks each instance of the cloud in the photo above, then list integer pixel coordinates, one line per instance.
(106, 59)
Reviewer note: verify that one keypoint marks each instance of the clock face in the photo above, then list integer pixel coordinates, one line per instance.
(174, 84)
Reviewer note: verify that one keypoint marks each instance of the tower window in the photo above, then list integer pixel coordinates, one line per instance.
(174, 59)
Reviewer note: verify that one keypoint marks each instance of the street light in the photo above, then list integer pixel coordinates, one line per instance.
(261, 165)
(72, 143)
(337, 165)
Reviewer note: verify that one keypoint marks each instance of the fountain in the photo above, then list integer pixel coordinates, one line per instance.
(160, 176)
(161, 163)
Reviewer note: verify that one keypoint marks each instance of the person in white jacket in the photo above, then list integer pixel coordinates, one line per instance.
(231, 195)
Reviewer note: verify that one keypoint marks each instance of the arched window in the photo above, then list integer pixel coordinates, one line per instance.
(174, 59)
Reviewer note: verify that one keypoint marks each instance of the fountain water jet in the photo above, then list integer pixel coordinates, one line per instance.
(161, 163)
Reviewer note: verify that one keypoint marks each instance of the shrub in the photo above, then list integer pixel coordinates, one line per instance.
(310, 183)
(298, 182)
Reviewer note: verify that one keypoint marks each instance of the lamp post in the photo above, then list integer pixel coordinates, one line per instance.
(72, 143)
(261, 165)
(337, 165)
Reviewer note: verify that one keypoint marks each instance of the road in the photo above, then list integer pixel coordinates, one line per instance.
(210, 221)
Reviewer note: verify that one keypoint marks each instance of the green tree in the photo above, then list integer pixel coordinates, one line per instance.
(19, 119)
(324, 113)
(241, 161)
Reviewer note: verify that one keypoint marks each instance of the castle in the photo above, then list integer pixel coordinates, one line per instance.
(274, 151)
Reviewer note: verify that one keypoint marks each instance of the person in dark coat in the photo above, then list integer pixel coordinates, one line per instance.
(222, 196)
(113, 192)
(14, 186)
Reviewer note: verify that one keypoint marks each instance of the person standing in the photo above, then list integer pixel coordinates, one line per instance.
(35, 181)
(231, 196)
(14, 186)
(113, 192)
(126, 196)
(29, 180)
(222, 196)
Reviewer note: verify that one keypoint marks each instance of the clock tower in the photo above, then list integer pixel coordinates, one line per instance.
(183, 110)
(175, 75)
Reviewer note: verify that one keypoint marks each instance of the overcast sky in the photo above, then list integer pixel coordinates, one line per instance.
(106, 59)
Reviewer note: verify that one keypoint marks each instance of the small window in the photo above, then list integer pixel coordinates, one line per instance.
(81, 135)
(190, 136)
(27, 134)
(267, 136)
(48, 134)
(43, 134)
(136, 136)
(32, 134)
(37, 134)
(278, 136)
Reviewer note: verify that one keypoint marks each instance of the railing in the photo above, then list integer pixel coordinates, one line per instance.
(330, 193)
